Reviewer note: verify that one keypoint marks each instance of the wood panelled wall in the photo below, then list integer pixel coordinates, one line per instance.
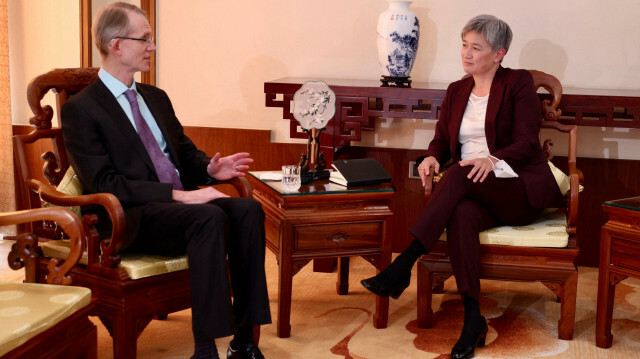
(604, 179)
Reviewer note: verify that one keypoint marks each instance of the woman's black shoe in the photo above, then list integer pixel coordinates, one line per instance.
(460, 350)
(372, 285)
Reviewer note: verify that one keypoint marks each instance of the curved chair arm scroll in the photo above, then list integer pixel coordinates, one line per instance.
(71, 225)
(109, 248)
(241, 185)
(63, 81)
(554, 87)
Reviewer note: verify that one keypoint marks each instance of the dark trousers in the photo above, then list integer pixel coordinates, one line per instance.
(465, 209)
(208, 233)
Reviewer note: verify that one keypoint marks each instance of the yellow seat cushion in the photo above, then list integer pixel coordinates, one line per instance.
(135, 264)
(28, 309)
(562, 179)
(70, 184)
(549, 230)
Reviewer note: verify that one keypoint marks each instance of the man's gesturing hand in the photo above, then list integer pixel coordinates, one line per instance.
(224, 168)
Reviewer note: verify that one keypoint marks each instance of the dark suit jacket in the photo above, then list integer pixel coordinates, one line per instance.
(512, 128)
(108, 155)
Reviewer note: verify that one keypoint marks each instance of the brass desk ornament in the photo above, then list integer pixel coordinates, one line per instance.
(314, 105)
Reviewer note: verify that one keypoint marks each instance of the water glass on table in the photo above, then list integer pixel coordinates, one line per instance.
(290, 178)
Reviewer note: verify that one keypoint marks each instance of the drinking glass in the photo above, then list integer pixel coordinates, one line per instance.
(290, 178)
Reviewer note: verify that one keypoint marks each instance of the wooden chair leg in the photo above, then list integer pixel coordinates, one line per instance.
(256, 334)
(438, 287)
(125, 336)
(568, 308)
(438, 282)
(425, 285)
(92, 350)
(90, 341)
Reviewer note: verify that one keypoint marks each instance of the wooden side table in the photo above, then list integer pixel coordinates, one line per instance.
(324, 220)
(619, 253)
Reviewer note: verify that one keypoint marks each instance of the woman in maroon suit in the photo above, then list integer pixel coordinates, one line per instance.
(488, 131)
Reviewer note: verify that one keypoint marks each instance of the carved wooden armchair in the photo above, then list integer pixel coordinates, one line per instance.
(46, 320)
(548, 255)
(130, 290)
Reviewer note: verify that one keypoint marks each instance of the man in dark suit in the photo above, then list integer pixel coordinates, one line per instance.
(123, 138)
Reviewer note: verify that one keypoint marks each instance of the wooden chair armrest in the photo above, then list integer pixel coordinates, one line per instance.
(58, 269)
(428, 187)
(109, 247)
(574, 170)
(241, 185)
(575, 179)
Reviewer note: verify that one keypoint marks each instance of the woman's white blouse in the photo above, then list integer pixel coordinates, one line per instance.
(472, 136)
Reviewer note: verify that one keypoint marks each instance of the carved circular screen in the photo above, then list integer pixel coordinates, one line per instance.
(314, 104)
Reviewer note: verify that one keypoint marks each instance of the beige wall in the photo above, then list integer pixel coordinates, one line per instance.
(214, 56)
(43, 35)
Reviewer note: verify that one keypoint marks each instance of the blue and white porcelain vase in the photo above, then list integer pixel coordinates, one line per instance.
(398, 35)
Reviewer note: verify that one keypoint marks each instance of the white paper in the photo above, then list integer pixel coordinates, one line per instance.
(270, 176)
(503, 170)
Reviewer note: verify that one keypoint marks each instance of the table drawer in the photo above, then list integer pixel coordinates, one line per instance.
(625, 254)
(338, 236)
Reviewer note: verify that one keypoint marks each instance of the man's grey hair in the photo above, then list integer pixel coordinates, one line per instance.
(113, 21)
(495, 31)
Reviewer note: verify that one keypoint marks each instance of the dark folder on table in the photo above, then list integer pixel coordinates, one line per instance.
(359, 172)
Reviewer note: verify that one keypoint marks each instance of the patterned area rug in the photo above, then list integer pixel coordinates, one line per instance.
(522, 320)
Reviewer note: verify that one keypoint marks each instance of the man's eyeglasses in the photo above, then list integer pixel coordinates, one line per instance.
(148, 40)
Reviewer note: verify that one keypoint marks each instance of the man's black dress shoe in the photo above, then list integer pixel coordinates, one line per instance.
(376, 288)
(248, 351)
(461, 351)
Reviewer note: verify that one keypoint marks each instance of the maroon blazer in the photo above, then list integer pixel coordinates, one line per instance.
(512, 128)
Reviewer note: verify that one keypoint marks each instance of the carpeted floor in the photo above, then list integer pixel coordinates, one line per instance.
(522, 321)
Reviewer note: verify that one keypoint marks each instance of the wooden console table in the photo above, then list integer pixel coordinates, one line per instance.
(325, 220)
(619, 253)
(360, 102)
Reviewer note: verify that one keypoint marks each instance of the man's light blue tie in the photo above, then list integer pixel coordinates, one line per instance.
(164, 167)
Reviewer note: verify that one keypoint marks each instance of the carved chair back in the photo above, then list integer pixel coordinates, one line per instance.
(45, 139)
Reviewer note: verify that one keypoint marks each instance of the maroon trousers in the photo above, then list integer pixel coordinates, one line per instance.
(465, 209)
